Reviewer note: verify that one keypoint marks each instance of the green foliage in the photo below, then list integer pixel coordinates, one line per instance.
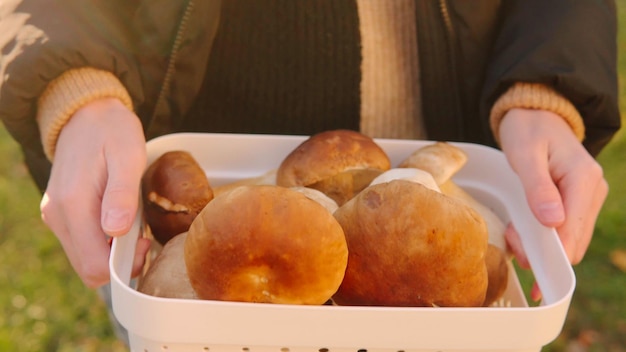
(43, 304)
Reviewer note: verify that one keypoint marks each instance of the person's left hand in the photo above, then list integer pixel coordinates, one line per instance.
(564, 185)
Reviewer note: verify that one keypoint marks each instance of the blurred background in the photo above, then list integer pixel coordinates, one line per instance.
(45, 307)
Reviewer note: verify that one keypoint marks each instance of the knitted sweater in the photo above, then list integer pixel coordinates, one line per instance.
(388, 89)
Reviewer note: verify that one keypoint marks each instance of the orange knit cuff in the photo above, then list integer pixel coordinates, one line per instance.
(536, 96)
(68, 93)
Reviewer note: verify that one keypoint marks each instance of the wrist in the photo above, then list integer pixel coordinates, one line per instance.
(68, 93)
(536, 96)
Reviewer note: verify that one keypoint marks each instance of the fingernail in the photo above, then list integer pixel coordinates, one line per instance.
(535, 293)
(115, 220)
(551, 213)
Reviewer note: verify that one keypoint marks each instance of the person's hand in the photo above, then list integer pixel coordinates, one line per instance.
(93, 190)
(564, 185)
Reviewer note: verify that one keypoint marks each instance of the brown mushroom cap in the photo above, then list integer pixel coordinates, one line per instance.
(265, 244)
(339, 163)
(498, 272)
(443, 160)
(411, 246)
(174, 190)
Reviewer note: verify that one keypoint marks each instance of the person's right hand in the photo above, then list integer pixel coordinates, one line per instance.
(93, 190)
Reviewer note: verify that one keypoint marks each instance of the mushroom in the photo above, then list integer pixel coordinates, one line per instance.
(443, 160)
(339, 163)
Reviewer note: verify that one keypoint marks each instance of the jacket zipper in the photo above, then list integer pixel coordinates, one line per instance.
(171, 67)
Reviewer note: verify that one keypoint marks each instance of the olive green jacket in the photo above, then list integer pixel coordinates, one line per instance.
(470, 53)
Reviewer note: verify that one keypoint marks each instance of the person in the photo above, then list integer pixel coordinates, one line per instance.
(85, 84)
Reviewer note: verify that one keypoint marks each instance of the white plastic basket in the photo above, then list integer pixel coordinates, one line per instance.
(163, 324)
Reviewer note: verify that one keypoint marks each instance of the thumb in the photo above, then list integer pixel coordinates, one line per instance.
(542, 193)
(121, 195)
(119, 207)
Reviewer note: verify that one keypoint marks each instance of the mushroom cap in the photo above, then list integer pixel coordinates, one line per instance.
(329, 153)
(411, 246)
(266, 244)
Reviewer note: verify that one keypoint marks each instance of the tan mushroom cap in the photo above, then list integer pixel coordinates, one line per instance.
(443, 160)
(329, 153)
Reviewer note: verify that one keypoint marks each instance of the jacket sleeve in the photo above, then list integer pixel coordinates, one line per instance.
(40, 40)
(569, 46)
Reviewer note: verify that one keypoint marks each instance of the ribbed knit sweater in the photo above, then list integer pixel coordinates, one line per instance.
(297, 68)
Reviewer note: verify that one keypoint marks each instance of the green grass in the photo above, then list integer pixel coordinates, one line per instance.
(44, 306)
(598, 307)
(599, 303)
